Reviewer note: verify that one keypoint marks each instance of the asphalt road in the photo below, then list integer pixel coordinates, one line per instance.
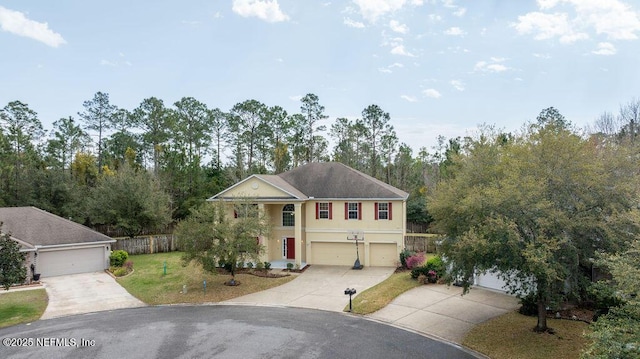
(218, 331)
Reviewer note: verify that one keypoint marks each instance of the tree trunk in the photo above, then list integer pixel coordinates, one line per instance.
(541, 326)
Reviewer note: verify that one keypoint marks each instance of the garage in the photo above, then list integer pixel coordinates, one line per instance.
(335, 253)
(383, 254)
(71, 261)
(59, 245)
(490, 281)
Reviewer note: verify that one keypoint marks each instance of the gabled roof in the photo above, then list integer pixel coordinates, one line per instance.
(325, 180)
(36, 227)
(337, 180)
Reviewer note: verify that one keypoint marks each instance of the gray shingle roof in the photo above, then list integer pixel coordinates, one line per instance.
(336, 180)
(41, 228)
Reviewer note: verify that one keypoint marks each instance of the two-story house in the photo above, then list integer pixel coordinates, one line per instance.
(314, 208)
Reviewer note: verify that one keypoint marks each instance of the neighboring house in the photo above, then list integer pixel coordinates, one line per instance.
(314, 207)
(54, 245)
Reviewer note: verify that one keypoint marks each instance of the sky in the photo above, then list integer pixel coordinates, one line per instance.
(439, 67)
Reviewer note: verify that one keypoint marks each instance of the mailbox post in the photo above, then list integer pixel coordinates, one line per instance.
(350, 292)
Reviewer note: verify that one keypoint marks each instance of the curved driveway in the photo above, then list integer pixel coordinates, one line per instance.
(220, 331)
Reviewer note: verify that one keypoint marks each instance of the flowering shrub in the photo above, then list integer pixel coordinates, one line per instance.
(415, 260)
(432, 274)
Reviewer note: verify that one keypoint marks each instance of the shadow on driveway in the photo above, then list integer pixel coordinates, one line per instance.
(85, 293)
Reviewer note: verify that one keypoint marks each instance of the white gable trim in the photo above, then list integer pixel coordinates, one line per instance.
(215, 197)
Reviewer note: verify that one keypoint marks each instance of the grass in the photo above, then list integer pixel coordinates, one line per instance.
(511, 336)
(22, 307)
(150, 285)
(378, 296)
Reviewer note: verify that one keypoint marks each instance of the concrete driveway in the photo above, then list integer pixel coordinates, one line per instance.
(85, 293)
(441, 311)
(319, 287)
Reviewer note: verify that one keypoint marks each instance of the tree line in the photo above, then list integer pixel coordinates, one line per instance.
(183, 153)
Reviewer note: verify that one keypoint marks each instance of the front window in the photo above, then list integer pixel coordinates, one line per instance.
(288, 216)
(383, 210)
(323, 210)
(353, 210)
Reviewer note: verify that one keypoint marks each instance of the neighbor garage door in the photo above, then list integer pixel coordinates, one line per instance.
(330, 253)
(383, 254)
(491, 281)
(71, 261)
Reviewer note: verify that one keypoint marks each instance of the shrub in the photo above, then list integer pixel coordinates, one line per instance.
(260, 266)
(249, 265)
(414, 261)
(289, 266)
(418, 271)
(120, 271)
(422, 279)
(434, 264)
(240, 265)
(128, 265)
(404, 255)
(117, 258)
(529, 305)
(267, 265)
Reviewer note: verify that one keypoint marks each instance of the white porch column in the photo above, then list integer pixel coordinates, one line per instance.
(264, 257)
(298, 233)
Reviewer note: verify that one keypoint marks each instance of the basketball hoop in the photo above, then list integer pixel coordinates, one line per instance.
(356, 235)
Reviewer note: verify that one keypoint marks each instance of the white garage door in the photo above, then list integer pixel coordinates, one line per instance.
(383, 254)
(491, 281)
(71, 261)
(341, 254)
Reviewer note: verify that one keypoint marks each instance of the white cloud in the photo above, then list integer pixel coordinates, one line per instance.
(398, 27)
(547, 26)
(295, 97)
(460, 12)
(409, 98)
(267, 10)
(434, 17)
(454, 31)
(396, 64)
(542, 56)
(449, 3)
(492, 66)
(16, 23)
(107, 63)
(217, 15)
(432, 93)
(351, 23)
(384, 70)
(611, 18)
(605, 48)
(371, 10)
(457, 84)
(400, 50)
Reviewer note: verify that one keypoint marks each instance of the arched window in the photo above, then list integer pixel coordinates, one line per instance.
(288, 218)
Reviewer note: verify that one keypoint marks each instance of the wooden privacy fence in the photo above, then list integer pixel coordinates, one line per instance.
(146, 244)
(421, 243)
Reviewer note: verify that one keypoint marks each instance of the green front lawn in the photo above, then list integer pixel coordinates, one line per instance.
(511, 336)
(150, 285)
(378, 296)
(22, 307)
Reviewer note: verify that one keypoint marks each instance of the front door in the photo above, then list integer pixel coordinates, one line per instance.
(291, 248)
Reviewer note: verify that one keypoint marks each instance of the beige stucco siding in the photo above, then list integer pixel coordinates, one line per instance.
(383, 254)
(335, 253)
(255, 188)
(383, 239)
